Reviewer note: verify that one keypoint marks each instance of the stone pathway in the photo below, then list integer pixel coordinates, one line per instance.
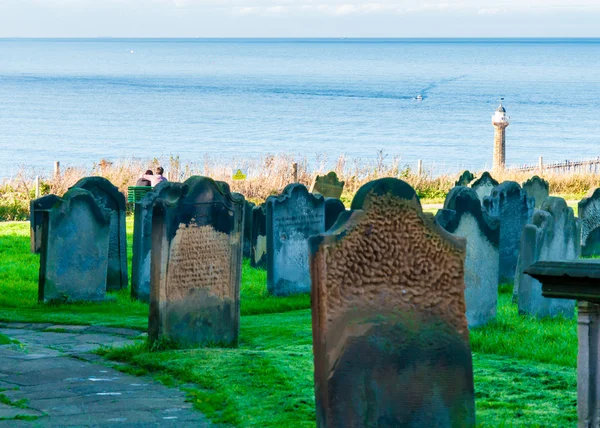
(51, 379)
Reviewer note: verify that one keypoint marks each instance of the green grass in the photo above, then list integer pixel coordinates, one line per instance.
(525, 369)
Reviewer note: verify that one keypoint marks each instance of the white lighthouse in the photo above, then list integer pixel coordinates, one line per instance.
(500, 122)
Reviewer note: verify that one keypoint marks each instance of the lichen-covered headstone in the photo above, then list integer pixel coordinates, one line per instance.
(258, 252)
(589, 213)
(333, 208)
(514, 209)
(390, 337)
(248, 206)
(142, 242)
(538, 189)
(196, 264)
(463, 216)
(553, 235)
(465, 178)
(483, 185)
(114, 200)
(37, 207)
(292, 217)
(74, 249)
(327, 185)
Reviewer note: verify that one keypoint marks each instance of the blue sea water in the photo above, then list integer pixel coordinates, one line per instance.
(79, 101)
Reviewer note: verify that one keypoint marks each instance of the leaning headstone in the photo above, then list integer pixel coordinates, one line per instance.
(36, 209)
(553, 235)
(465, 178)
(483, 185)
(463, 216)
(538, 189)
(514, 209)
(114, 200)
(258, 252)
(248, 206)
(196, 264)
(142, 241)
(390, 337)
(333, 208)
(74, 250)
(589, 213)
(292, 217)
(327, 185)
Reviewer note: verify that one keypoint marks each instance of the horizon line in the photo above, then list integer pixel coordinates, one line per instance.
(329, 38)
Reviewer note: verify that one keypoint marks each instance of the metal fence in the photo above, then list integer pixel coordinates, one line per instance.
(589, 166)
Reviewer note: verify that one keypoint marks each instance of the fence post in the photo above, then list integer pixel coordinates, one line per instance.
(56, 169)
(541, 164)
(37, 186)
(420, 168)
(294, 172)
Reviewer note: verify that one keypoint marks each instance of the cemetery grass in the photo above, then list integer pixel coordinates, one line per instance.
(525, 369)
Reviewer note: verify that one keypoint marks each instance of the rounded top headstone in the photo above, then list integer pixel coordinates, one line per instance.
(382, 187)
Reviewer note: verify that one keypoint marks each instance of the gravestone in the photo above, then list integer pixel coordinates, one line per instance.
(74, 249)
(514, 209)
(333, 208)
(465, 178)
(538, 189)
(248, 206)
(112, 199)
(483, 185)
(258, 255)
(553, 235)
(292, 217)
(390, 337)
(327, 185)
(142, 241)
(197, 232)
(463, 216)
(36, 209)
(589, 213)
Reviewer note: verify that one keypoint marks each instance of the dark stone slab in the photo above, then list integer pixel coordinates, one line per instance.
(514, 209)
(327, 185)
(142, 242)
(589, 213)
(562, 279)
(390, 336)
(484, 185)
(36, 209)
(538, 189)
(291, 218)
(258, 251)
(463, 216)
(196, 264)
(465, 178)
(113, 200)
(333, 208)
(74, 252)
(248, 207)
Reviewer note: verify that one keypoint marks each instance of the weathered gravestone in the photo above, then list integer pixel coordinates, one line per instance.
(291, 218)
(463, 216)
(258, 252)
(333, 208)
(465, 178)
(390, 337)
(514, 209)
(553, 235)
(142, 241)
(37, 207)
(327, 185)
(484, 185)
(196, 264)
(74, 250)
(589, 213)
(112, 199)
(248, 206)
(538, 189)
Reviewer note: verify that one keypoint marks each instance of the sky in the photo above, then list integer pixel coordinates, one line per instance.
(299, 18)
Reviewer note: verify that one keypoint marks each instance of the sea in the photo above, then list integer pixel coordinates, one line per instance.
(78, 101)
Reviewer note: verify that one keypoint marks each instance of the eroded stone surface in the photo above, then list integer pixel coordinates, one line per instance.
(538, 189)
(484, 185)
(390, 336)
(553, 235)
(463, 216)
(74, 252)
(36, 209)
(327, 185)
(196, 263)
(291, 219)
(589, 213)
(258, 253)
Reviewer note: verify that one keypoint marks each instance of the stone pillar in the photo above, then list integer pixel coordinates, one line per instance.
(499, 146)
(588, 377)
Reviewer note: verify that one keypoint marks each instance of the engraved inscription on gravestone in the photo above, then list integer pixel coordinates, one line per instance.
(484, 185)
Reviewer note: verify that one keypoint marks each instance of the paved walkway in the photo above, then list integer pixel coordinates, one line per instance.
(51, 379)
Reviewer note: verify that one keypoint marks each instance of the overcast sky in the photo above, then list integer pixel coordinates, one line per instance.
(299, 18)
